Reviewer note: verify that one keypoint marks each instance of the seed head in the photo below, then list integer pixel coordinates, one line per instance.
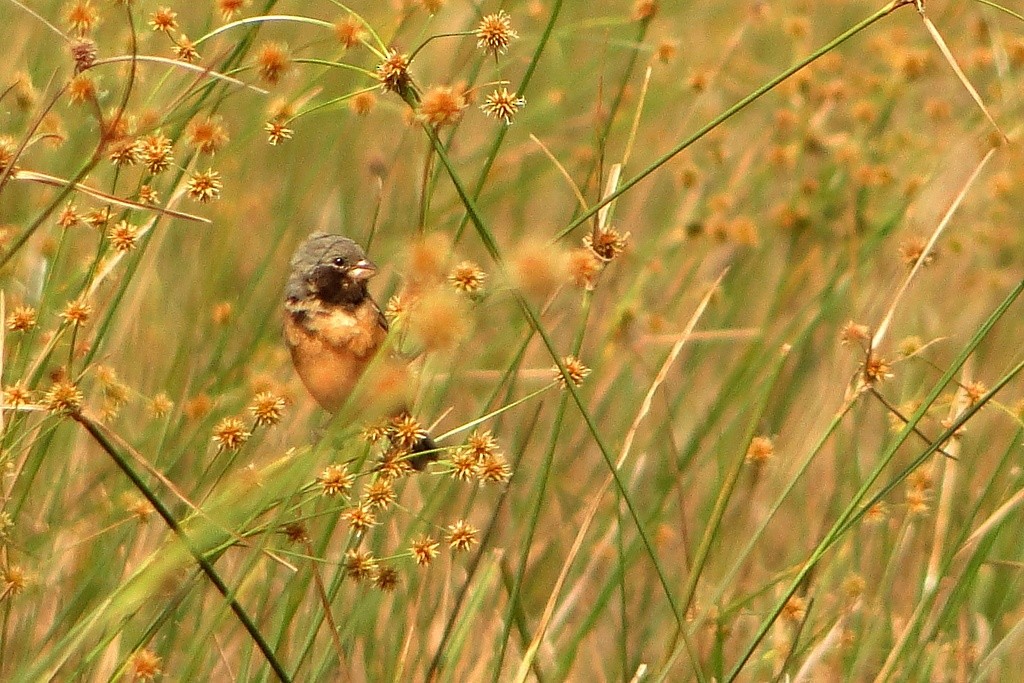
(380, 493)
(185, 50)
(461, 536)
(441, 106)
(360, 518)
(760, 451)
(125, 152)
(406, 431)
(164, 19)
(17, 395)
(913, 249)
(267, 408)
(272, 61)
(83, 53)
(481, 444)
(854, 333)
(230, 8)
(277, 132)
(395, 464)
(155, 151)
(204, 187)
(502, 104)
(494, 33)
(467, 277)
(160, 405)
(463, 463)
(207, 135)
(439, 319)
(576, 370)
(77, 312)
(124, 236)
(795, 609)
(349, 31)
(424, 549)
(386, 579)
(606, 243)
(82, 88)
(229, 434)
(584, 267)
(393, 72)
(68, 216)
(144, 665)
(335, 479)
(22, 319)
(363, 103)
(15, 579)
(360, 564)
(63, 397)
(432, 6)
(494, 468)
(8, 146)
(81, 16)
(147, 195)
(877, 369)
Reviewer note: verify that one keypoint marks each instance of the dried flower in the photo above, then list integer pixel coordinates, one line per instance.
(77, 312)
(360, 518)
(155, 151)
(576, 370)
(230, 8)
(494, 468)
(467, 277)
(494, 33)
(63, 397)
(461, 536)
(349, 31)
(361, 564)
(795, 609)
(876, 369)
(760, 451)
(148, 195)
(204, 187)
(81, 16)
(393, 72)
(267, 408)
(207, 135)
(164, 19)
(441, 106)
(272, 61)
(406, 431)
(584, 267)
(229, 434)
(144, 665)
(277, 132)
(463, 463)
(185, 50)
(336, 479)
(605, 242)
(83, 53)
(17, 395)
(160, 405)
(363, 103)
(22, 319)
(424, 549)
(481, 444)
(124, 236)
(502, 104)
(913, 249)
(380, 493)
(296, 532)
(386, 579)
(854, 333)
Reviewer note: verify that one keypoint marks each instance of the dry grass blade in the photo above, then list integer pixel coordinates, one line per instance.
(181, 65)
(959, 72)
(830, 641)
(627, 445)
(883, 327)
(45, 179)
(561, 169)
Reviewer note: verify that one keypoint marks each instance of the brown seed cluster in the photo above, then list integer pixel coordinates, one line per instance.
(502, 104)
(230, 434)
(393, 72)
(494, 33)
(576, 370)
(336, 480)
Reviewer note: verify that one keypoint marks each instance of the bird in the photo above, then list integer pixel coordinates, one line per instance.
(332, 325)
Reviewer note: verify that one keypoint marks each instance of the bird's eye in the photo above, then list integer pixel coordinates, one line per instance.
(339, 261)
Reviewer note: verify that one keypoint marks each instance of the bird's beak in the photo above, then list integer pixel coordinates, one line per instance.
(362, 270)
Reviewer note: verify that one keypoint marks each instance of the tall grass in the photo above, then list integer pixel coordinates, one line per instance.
(713, 310)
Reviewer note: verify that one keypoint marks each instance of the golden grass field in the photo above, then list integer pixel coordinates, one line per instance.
(712, 308)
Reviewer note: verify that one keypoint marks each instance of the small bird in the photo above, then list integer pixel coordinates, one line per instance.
(332, 325)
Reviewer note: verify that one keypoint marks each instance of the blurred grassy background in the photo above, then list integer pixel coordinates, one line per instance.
(813, 198)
